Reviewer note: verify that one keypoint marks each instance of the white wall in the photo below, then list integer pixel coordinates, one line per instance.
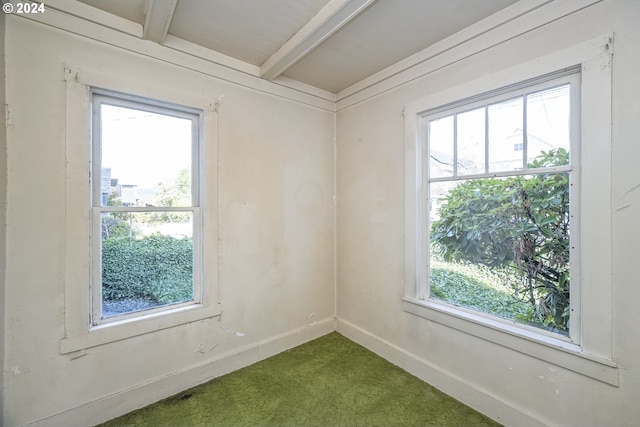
(276, 239)
(276, 215)
(507, 385)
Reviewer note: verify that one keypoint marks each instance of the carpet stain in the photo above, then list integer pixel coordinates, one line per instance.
(330, 381)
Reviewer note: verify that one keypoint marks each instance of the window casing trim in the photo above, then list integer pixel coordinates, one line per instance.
(79, 332)
(593, 356)
(539, 346)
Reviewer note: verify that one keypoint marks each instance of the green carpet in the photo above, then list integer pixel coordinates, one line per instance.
(330, 381)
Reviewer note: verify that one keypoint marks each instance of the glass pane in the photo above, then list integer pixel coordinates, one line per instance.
(501, 246)
(506, 143)
(438, 192)
(147, 260)
(548, 122)
(441, 147)
(470, 140)
(146, 158)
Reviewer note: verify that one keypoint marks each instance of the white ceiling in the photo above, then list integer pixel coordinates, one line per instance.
(328, 44)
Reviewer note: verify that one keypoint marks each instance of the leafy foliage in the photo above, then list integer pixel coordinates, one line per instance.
(477, 288)
(115, 224)
(518, 226)
(175, 193)
(155, 267)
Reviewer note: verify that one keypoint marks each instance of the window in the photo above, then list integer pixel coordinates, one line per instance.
(499, 227)
(146, 217)
(141, 202)
(459, 163)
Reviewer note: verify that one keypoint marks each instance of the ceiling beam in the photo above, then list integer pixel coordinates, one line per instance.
(330, 19)
(157, 19)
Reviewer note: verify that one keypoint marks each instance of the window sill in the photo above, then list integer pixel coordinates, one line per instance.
(548, 349)
(140, 325)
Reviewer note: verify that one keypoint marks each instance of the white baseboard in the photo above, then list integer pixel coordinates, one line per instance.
(108, 407)
(449, 383)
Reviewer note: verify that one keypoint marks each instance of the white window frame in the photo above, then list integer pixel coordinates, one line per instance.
(81, 331)
(570, 77)
(101, 97)
(591, 350)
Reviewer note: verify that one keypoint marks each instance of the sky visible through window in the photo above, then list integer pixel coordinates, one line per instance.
(143, 148)
(547, 127)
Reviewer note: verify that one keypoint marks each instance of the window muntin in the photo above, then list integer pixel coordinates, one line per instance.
(488, 145)
(146, 214)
